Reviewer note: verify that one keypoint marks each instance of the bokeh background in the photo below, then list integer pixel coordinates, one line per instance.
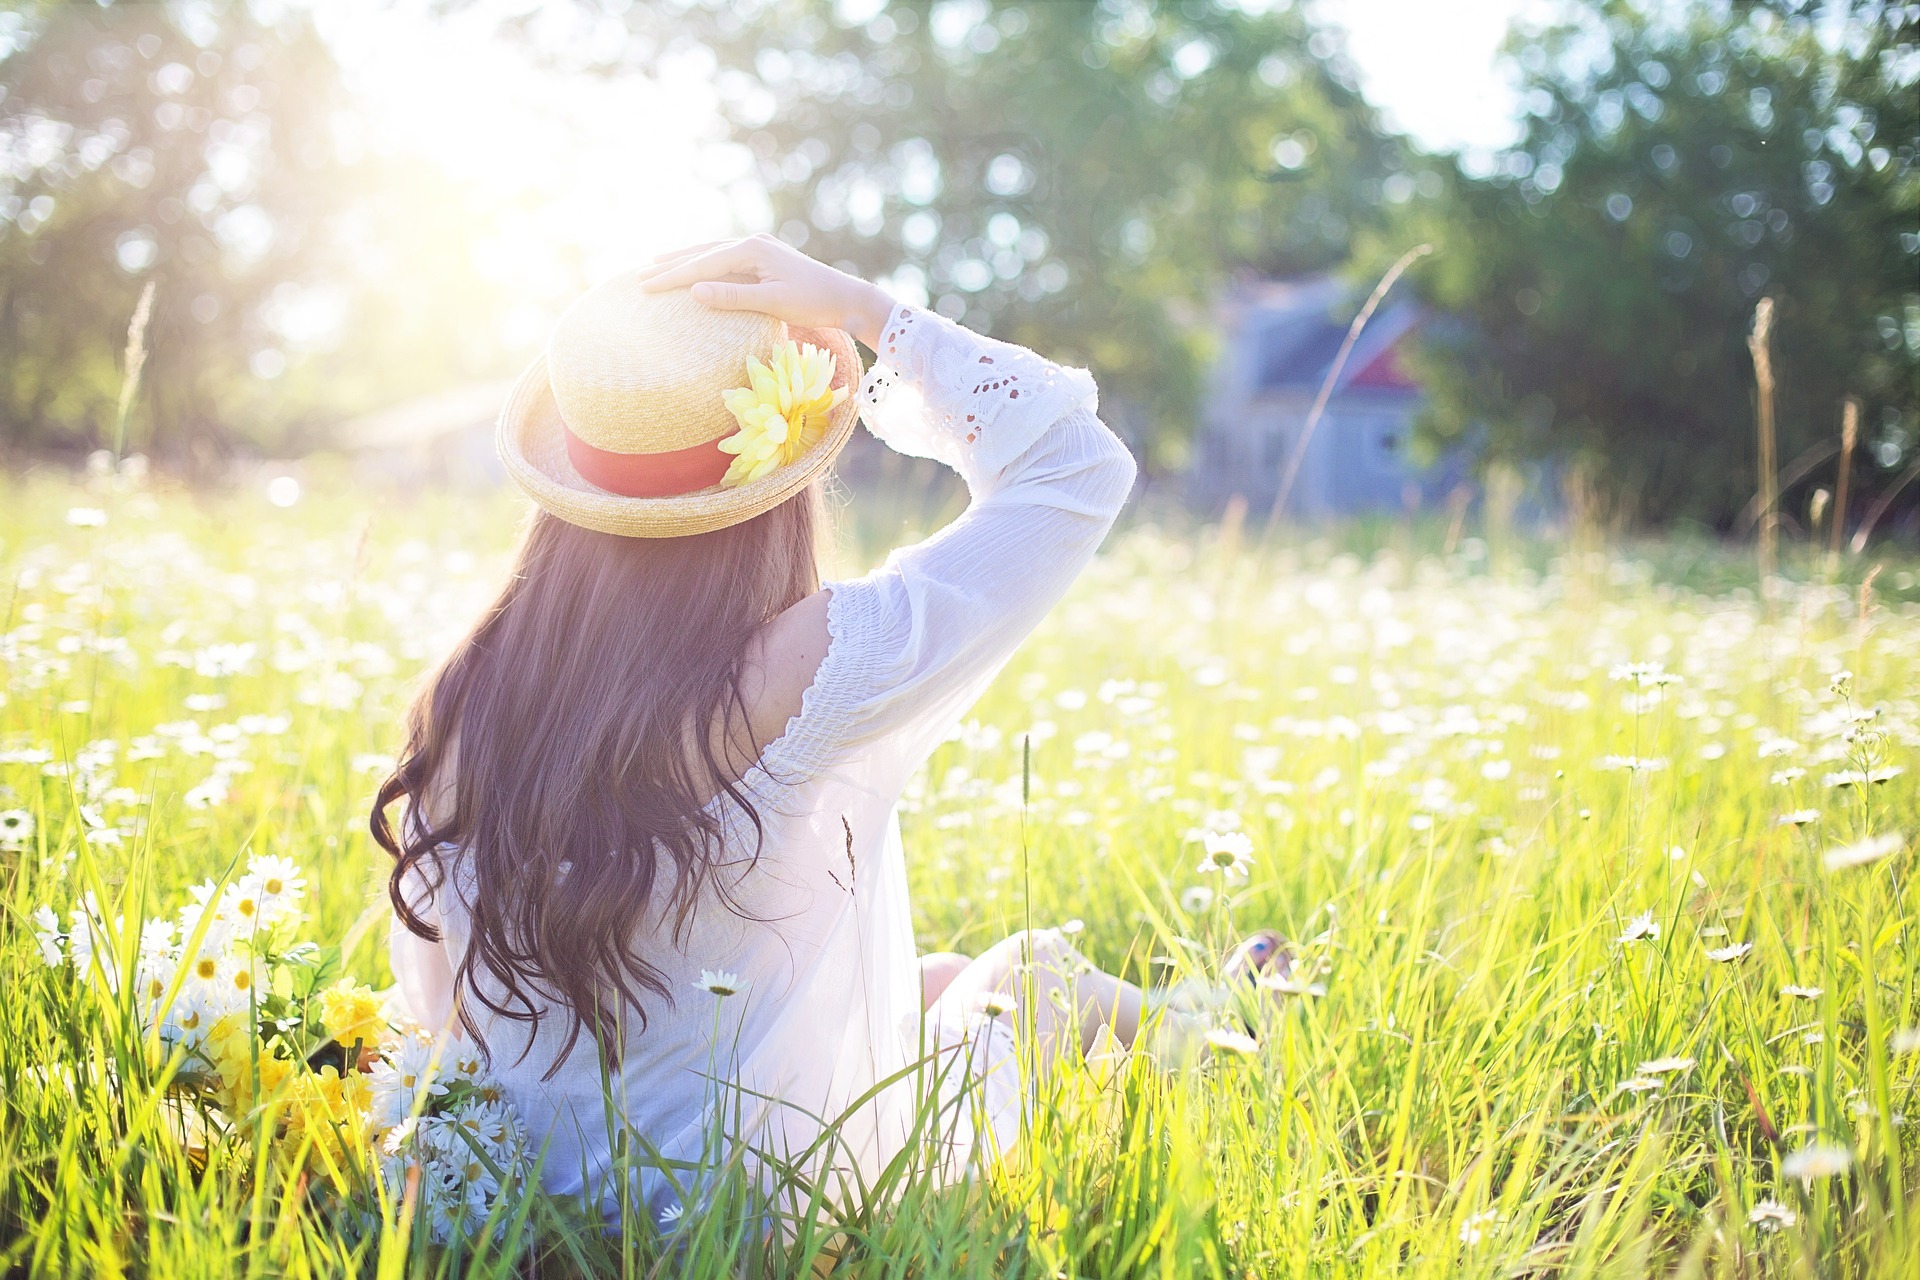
(359, 218)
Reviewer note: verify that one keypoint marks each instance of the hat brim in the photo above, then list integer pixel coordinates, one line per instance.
(533, 449)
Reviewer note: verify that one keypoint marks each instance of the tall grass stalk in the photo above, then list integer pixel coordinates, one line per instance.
(131, 366)
(1759, 344)
(1842, 483)
(1291, 471)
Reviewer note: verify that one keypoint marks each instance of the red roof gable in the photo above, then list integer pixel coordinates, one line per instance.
(1386, 372)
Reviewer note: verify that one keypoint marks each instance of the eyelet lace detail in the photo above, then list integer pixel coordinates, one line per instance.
(944, 392)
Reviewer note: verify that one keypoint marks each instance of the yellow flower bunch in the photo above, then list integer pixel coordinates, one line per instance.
(351, 1013)
(782, 412)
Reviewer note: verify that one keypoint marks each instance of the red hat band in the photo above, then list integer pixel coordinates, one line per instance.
(648, 475)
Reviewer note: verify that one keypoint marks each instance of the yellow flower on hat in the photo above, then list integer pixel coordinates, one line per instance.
(782, 412)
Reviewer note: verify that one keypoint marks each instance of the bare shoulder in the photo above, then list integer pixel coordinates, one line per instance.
(780, 665)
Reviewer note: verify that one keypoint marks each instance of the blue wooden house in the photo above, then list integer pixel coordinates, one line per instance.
(1279, 339)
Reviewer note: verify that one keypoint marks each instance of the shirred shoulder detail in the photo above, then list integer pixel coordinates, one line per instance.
(853, 639)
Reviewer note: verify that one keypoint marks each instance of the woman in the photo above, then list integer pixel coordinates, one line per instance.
(649, 838)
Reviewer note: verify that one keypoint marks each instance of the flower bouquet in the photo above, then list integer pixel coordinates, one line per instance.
(245, 1025)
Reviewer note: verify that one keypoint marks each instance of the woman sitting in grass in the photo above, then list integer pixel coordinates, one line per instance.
(649, 856)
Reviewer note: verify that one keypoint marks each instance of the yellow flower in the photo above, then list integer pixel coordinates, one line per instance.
(237, 1055)
(325, 1117)
(351, 1012)
(782, 412)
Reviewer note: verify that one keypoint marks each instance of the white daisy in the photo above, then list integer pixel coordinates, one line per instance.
(16, 829)
(1665, 1066)
(1771, 1215)
(1475, 1228)
(1728, 955)
(1642, 926)
(399, 1079)
(995, 1004)
(47, 933)
(720, 982)
(1229, 853)
(1862, 852)
(1795, 992)
(1817, 1160)
(1234, 1044)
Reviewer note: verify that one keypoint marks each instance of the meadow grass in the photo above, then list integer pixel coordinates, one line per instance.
(1549, 826)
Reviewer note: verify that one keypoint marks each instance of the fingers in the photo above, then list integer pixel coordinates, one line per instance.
(687, 251)
(731, 257)
(728, 295)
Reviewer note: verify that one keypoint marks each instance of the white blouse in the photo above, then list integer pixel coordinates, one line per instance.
(828, 1026)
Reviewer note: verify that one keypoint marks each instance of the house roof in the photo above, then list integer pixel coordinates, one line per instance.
(1298, 328)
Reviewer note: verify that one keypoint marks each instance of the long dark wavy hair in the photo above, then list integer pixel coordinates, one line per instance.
(570, 747)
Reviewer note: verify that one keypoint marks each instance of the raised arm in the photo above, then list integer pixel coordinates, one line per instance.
(924, 634)
(910, 646)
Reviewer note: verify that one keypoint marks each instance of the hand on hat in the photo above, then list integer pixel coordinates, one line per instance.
(780, 281)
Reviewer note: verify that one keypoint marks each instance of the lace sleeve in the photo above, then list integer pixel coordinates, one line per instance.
(974, 403)
(917, 640)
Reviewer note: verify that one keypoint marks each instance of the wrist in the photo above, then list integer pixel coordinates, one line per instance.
(867, 313)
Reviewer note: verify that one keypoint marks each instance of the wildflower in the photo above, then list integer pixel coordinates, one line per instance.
(1290, 985)
(1841, 685)
(720, 982)
(351, 1013)
(276, 885)
(1788, 776)
(1637, 1084)
(1774, 747)
(1771, 1215)
(1797, 818)
(1635, 764)
(782, 411)
(1727, 955)
(46, 932)
(1906, 1040)
(1641, 926)
(671, 1215)
(399, 1080)
(1196, 899)
(996, 1003)
(1861, 852)
(86, 517)
(16, 829)
(1236, 1044)
(1475, 1228)
(1794, 992)
(1863, 777)
(1665, 1066)
(1817, 1160)
(1229, 853)
(1644, 675)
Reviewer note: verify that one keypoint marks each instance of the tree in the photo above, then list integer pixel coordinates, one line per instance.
(184, 145)
(1082, 178)
(211, 150)
(1674, 169)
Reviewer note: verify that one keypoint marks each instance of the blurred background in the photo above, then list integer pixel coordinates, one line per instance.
(353, 221)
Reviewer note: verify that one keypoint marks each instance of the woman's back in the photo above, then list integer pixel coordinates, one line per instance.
(798, 909)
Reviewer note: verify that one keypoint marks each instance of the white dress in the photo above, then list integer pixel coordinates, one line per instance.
(829, 1025)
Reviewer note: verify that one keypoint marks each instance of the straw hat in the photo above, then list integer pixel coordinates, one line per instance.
(617, 427)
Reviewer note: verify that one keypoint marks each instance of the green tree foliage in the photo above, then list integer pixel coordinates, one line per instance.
(1674, 169)
(187, 145)
(1081, 177)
